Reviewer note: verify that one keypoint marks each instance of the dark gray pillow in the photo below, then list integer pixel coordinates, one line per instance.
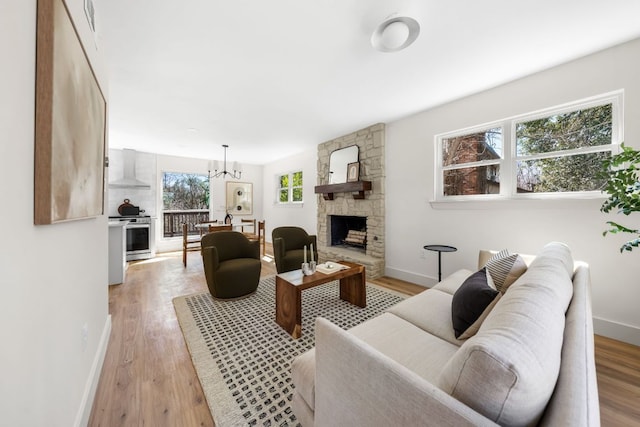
(470, 301)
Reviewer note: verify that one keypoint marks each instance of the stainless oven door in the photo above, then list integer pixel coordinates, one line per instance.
(138, 241)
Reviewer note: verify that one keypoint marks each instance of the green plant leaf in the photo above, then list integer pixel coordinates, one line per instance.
(623, 187)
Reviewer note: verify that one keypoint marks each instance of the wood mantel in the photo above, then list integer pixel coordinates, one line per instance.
(356, 187)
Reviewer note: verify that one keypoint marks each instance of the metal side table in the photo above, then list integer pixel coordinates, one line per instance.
(440, 249)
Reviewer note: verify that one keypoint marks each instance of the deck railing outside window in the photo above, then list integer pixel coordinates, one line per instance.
(172, 221)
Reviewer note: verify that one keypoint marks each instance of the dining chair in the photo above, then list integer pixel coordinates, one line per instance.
(189, 243)
(249, 223)
(261, 236)
(220, 227)
(258, 234)
(203, 228)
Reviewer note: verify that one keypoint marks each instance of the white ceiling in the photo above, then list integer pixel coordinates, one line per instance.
(276, 77)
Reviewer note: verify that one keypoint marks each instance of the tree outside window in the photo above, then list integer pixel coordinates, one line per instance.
(185, 199)
(546, 150)
(290, 188)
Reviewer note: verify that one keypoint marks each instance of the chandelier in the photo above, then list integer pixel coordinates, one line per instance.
(215, 165)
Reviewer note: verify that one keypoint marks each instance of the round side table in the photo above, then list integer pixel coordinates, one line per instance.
(440, 249)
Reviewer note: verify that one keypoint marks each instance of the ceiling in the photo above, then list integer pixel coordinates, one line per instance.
(277, 77)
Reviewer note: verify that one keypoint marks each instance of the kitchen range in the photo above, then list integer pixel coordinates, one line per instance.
(139, 230)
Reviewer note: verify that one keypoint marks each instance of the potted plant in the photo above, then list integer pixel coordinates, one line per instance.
(623, 187)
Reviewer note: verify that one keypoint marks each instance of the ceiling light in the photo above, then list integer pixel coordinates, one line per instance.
(395, 34)
(237, 169)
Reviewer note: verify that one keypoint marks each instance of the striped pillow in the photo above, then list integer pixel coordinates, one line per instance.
(505, 269)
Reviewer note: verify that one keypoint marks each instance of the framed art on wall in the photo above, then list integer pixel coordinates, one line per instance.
(70, 122)
(353, 172)
(239, 198)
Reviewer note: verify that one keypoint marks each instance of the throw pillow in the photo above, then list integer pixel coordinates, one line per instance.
(470, 302)
(475, 327)
(505, 269)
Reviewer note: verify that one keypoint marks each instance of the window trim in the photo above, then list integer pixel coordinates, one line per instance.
(290, 188)
(509, 159)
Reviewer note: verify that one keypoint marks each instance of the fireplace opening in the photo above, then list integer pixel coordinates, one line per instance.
(349, 232)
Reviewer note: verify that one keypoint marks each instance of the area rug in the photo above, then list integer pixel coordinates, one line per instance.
(243, 358)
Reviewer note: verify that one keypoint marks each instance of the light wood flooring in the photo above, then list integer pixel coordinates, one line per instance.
(148, 380)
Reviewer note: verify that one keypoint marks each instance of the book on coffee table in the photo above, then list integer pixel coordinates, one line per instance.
(330, 267)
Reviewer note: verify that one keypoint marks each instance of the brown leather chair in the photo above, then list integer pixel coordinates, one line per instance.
(288, 244)
(231, 264)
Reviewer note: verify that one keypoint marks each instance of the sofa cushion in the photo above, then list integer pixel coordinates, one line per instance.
(509, 369)
(470, 301)
(424, 354)
(451, 284)
(505, 269)
(429, 311)
(398, 339)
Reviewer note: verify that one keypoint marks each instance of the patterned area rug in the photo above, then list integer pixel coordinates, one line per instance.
(243, 358)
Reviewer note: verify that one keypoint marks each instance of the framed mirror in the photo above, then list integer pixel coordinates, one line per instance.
(339, 161)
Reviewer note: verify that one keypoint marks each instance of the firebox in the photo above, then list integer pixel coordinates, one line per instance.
(348, 231)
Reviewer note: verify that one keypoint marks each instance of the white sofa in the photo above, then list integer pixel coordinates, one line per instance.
(530, 363)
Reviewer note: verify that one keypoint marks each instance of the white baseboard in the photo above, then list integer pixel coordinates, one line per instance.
(408, 276)
(619, 331)
(82, 418)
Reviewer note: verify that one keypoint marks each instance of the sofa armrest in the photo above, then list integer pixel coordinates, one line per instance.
(575, 399)
(358, 386)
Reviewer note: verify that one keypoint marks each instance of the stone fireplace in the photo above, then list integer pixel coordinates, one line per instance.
(336, 217)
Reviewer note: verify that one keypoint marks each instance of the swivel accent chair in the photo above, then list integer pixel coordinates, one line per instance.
(231, 264)
(288, 244)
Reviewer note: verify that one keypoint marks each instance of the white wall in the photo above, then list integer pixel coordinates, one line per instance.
(53, 277)
(250, 173)
(304, 215)
(526, 226)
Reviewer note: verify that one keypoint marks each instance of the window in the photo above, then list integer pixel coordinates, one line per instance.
(471, 163)
(563, 152)
(556, 151)
(290, 188)
(185, 199)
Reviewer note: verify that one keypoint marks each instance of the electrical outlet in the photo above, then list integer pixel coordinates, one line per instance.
(84, 336)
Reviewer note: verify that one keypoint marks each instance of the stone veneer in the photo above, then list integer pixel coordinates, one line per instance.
(371, 141)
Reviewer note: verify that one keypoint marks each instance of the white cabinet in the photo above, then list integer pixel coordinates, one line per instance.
(117, 252)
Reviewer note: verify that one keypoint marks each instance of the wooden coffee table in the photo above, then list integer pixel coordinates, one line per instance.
(289, 287)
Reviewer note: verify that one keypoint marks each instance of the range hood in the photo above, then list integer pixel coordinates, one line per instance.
(129, 179)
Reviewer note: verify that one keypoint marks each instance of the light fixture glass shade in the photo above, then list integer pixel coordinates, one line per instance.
(395, 34)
